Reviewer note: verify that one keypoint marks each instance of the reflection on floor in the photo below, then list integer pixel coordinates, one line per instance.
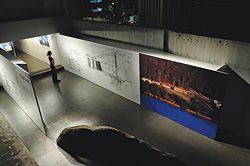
(76, 101)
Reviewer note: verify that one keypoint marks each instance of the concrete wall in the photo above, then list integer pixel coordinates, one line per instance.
(211, 50)
(17, 83)
(32, 47)
(148, 37)
(234, 122)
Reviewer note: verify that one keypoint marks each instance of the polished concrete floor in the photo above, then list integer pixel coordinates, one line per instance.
(77, 101)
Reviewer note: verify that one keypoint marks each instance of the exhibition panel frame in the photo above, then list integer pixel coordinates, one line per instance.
(189, 95)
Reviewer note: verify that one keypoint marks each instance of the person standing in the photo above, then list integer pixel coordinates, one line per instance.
(52, 67)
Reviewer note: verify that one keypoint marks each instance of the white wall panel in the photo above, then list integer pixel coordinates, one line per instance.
(17, 84)
(114, 69)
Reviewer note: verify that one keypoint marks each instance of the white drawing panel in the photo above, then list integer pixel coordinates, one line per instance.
(114, 69)
(16, 82)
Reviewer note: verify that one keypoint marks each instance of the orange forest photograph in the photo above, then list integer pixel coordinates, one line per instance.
(182, 90)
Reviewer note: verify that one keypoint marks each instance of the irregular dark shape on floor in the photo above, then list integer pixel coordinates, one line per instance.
(12, 150)
(112, 147)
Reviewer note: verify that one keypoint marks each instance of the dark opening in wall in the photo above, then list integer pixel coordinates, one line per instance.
(111, 11)
(215, 18)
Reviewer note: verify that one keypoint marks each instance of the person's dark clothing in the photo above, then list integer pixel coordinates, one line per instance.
(53, 70)
(51, 60)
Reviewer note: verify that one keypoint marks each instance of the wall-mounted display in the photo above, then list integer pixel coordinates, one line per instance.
(44, 40)
(6, 46)
(189, 95)
(119, 11)
(112, 68)
(95, 1)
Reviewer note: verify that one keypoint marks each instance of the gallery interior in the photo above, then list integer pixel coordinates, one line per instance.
(142, 82)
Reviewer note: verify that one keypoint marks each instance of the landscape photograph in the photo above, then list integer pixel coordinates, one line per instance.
(194, 90)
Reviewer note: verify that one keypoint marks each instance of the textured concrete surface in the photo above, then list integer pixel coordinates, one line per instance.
(12, 150)
(148, 37)
(212, 50)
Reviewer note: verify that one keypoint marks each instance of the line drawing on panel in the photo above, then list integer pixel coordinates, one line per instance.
(115, 64)
(73, 63)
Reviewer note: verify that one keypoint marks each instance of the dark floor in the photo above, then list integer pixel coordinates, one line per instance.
(77, 101)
